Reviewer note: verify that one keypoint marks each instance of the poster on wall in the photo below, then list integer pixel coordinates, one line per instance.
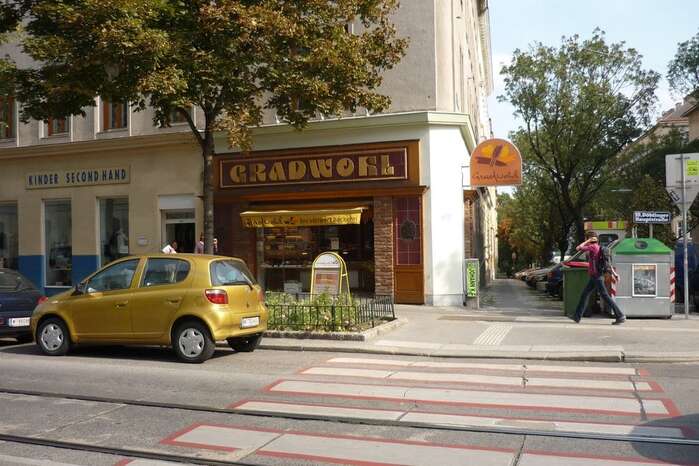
(329, 274)
(645, 280)
(472, 278)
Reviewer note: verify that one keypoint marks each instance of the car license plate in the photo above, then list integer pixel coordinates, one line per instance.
(19, 322)
(247, 322)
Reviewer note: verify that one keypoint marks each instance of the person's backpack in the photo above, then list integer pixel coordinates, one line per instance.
(604, 260)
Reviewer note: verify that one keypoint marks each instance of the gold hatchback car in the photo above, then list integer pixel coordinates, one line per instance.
(186, 301)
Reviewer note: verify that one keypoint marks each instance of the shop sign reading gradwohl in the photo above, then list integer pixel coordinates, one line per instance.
(387, 164)
(77, 177)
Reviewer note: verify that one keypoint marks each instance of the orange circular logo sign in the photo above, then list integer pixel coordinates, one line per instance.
(496, 162)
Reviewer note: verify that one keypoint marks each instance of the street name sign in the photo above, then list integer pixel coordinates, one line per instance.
(641, 216)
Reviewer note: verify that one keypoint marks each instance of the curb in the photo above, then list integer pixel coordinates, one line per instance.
(337, 336)
(582, 356)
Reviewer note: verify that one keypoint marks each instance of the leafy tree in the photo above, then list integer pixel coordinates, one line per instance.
(580, 104)
(529, 223)
(233, 59)
(643, 162)
(683, 70)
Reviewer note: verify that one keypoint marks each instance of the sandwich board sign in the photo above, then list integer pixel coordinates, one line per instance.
(329, 274)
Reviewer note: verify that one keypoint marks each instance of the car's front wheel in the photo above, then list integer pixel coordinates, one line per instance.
(246, 344)
(192, 342)
(52, 337)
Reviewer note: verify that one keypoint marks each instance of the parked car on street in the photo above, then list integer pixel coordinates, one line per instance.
(537, 276)
(187, 301)
(554, 285)
(18, 298)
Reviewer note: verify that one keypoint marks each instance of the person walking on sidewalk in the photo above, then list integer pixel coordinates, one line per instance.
(596, 281)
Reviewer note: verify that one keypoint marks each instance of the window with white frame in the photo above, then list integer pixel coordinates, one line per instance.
(57, 127)
(114, 115)
(7, 117)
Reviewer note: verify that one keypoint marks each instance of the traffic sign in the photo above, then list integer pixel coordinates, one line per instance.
(641, 216)
(682, 184)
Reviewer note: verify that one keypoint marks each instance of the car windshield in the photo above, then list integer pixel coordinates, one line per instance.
(12, 281)
(230, 272)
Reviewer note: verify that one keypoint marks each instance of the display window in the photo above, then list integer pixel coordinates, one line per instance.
(8, 236)
(58, 242)
(114, 229)
(285, 254)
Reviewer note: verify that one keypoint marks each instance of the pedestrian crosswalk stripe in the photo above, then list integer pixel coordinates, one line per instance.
(488, 366)
(482, 379)
(142, 462)
(567, 459)
(345, 448)
(319, 410)
(458, 420)
(581, 403)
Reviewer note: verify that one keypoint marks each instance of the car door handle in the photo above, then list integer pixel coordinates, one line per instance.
(121, 304)
(173, 301)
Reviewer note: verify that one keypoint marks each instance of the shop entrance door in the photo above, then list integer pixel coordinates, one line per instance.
(181, 227)
(409, 280)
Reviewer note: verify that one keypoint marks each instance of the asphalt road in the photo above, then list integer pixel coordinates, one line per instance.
(276, 407)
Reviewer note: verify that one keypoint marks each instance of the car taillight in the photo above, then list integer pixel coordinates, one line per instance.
(217, 296)
(41, 300)
(260, 295)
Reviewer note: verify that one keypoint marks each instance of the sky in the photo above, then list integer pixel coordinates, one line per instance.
(652, 27)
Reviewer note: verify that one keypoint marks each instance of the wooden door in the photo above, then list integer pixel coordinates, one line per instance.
(409, 279)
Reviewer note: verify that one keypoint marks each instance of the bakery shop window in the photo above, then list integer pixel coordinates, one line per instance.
(285, 253)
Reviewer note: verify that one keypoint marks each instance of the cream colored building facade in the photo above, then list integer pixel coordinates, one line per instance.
(438, 94)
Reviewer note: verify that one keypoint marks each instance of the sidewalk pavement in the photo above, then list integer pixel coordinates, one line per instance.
(535, 330)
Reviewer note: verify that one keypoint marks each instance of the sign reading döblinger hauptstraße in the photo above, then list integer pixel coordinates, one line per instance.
(641, 216)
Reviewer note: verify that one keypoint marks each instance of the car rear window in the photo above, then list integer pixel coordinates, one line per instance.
(230, 272)
(12, 281)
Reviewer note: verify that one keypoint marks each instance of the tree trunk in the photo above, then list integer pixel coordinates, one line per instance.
(563, 247)
(208, 154)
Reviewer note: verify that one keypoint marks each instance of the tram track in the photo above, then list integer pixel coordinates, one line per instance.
(629, 438)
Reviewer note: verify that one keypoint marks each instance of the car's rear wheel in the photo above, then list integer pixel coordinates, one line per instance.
(192, 342)
(246, 344)
(52, 337)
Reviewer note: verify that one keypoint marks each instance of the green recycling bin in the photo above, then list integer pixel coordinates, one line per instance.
(574, 281)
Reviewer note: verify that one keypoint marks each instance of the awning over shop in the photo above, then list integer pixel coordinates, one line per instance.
(302, 218)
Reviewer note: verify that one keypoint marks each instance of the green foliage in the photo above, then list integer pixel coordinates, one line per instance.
(642, 172)
(233, 59)
(580, 104)
(528, 225)
(683, 70)
(321, 312)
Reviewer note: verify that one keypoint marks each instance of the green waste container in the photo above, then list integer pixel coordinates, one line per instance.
(574, 281)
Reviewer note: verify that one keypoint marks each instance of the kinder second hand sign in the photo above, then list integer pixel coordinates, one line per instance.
(496, 162)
